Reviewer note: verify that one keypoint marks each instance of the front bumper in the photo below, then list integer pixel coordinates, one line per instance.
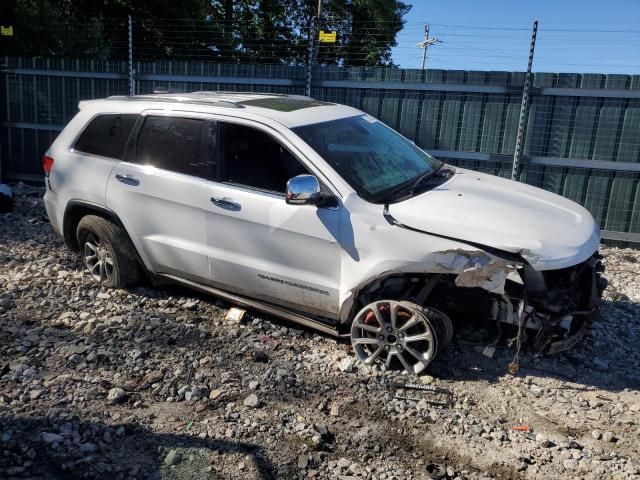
(565, 303)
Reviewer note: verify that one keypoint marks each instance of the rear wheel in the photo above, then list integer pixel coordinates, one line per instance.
(399, 335)
(107, 252)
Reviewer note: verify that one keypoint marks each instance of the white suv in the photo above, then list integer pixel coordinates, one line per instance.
(320, 214)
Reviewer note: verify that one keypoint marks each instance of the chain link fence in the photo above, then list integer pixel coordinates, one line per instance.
(581, 131)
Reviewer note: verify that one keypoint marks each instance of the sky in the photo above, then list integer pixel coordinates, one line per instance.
(599, 36)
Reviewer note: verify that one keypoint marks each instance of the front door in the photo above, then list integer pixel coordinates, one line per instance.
(259, 245)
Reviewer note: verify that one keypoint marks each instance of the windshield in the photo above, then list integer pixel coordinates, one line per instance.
(374, 159)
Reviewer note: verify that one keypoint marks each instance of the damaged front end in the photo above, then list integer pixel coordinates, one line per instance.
(560, 305)
(551, 310)
(488, 297)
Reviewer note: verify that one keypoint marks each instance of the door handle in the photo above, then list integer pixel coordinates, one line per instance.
(128, 179)
(225, 203)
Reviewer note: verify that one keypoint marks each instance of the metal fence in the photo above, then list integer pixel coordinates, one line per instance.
(582, 137)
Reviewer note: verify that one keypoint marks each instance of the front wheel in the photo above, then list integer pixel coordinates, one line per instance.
(107, 252)
(399, 335)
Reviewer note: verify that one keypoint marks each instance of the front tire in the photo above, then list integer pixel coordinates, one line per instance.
(107, 252)
(399, 335)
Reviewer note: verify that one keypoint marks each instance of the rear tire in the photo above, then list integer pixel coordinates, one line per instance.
(107, 252)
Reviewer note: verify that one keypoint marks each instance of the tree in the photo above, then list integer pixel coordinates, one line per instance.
(234, 31)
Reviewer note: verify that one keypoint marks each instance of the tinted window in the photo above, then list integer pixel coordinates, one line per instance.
(253, 158)
(106, 135)
(372, 157)
(176, 144)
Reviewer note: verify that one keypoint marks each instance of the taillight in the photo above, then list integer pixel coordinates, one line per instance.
(47, 164)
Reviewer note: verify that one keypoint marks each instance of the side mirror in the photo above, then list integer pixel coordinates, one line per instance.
(304, 190)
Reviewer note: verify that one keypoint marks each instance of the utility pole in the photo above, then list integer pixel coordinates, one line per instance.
(424, 49)
(426, 43)
(524, 106)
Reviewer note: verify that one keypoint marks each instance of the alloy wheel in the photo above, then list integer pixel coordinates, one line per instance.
(394, 334)
(97, 258)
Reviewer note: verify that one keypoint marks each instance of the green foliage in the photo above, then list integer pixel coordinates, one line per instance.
(234, 31)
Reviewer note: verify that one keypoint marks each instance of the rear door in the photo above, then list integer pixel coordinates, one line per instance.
(260, 246)
(160, 191)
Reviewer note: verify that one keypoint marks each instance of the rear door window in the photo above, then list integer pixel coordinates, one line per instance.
(181, 145)
(106, 135)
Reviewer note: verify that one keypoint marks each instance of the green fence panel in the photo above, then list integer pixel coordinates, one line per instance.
(531, 175)
(552, 178)
(629, 145)
(511, 117)
(471, 122)
(560, 130)
(491, 168)
(616, 81)
(538, 125)
(353, 97)
(410, 108)
(429, 120)
(390, 108)
(492, 125)
(450, 119)
(607, 132)
(462, 163)
(371, 98)
(575, 182)
(597, 192)
(623, 187)
(634, 226)
(476, 78)
(371, 102)
(592, 80)
(584, 124)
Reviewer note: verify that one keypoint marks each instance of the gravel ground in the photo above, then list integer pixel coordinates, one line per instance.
(155, 383)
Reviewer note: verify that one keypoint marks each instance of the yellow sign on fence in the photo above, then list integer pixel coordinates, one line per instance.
(6, 31)
(327, 37)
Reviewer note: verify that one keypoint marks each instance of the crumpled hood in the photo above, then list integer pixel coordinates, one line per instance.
(548, 230)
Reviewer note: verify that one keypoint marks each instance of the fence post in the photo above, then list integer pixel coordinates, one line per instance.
(524, 107)
(310, 54)
(132, 82)
(4, 106)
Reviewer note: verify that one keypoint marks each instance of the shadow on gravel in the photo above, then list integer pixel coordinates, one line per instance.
(132, 452)
(608, 358)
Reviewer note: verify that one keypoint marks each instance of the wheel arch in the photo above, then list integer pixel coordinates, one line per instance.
(73, 213)
(401, 285)
(77, 209)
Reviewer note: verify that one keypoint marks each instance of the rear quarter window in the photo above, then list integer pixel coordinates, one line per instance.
(106, 135)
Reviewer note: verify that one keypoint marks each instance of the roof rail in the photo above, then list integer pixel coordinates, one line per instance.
(176, 99)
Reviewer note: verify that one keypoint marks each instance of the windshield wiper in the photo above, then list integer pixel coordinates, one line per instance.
(411, 185)
(425, 177)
